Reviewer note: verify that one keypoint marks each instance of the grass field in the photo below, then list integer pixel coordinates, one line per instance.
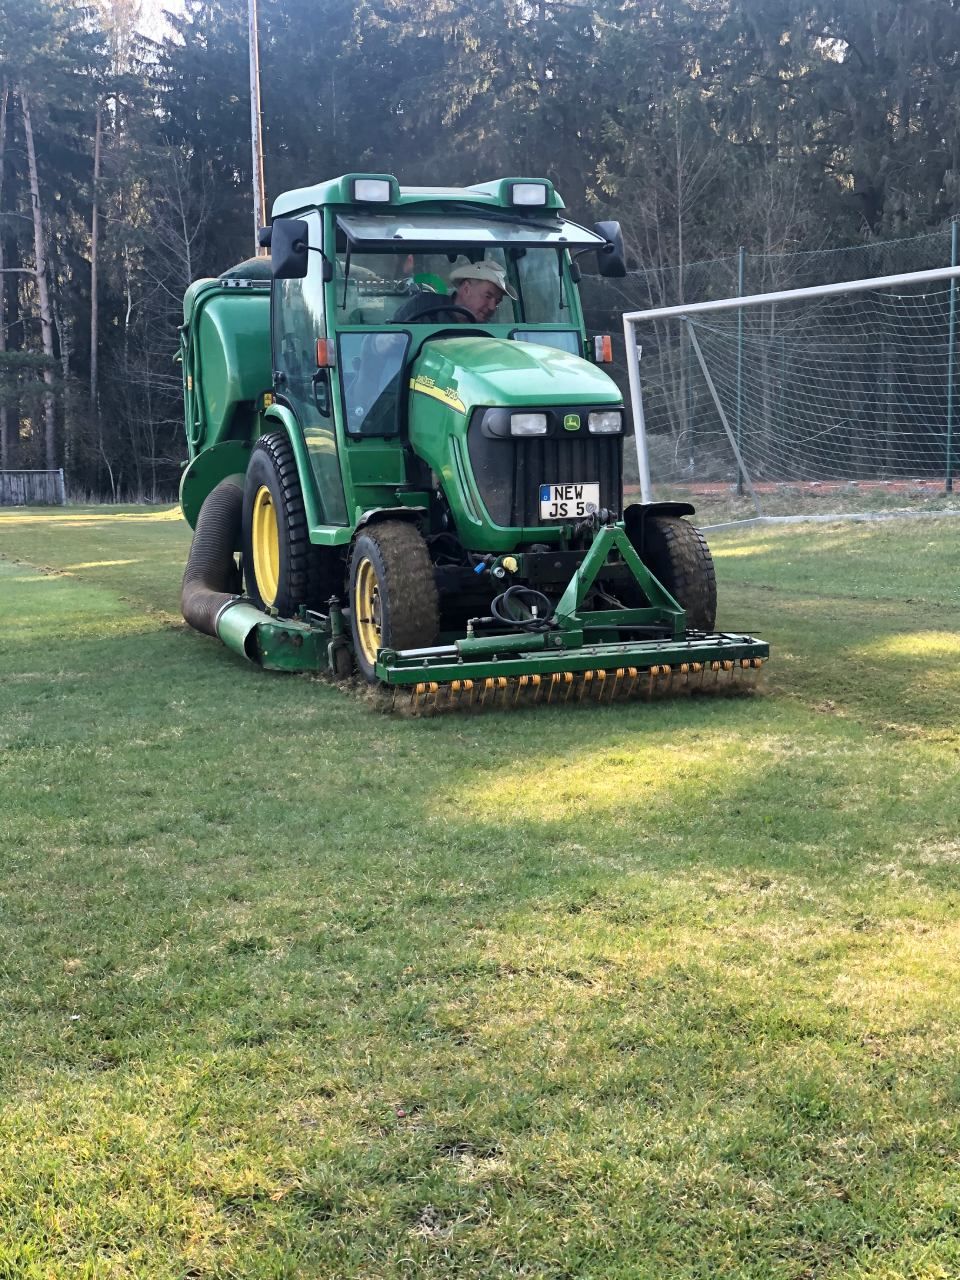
(292, 989)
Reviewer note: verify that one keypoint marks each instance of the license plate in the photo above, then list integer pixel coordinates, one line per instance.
(568, 501)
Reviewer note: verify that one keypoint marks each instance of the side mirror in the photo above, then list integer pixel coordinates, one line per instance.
(288, 248)
(611, 257)
(264, 236)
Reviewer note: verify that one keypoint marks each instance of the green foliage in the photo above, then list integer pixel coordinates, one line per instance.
(292, 988)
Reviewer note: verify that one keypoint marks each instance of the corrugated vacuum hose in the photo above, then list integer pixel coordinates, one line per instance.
(211, 579)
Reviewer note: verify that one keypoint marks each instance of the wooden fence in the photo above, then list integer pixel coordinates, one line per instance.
(32, 489)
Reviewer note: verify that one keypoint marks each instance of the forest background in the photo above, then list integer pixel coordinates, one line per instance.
(703, 125)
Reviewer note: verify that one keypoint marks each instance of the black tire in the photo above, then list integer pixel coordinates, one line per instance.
(677, 555)
(393, 595)
(300, 574)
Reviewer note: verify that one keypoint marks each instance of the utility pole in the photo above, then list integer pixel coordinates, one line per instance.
(256, 130)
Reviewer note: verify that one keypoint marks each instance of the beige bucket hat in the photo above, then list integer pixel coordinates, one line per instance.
(485, 270)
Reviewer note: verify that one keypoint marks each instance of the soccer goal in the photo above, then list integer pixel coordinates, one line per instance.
(837, 399)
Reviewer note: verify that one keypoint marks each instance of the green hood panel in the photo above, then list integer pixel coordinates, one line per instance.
(472, 371)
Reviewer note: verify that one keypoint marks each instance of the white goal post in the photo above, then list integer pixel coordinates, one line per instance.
(849, 385)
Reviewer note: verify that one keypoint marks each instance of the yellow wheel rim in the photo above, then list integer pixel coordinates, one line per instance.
(266, 545)
(367, 611)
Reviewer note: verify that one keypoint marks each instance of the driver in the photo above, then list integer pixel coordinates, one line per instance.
(480, 289)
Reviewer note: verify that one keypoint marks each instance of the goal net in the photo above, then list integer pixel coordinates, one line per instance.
(838, 399)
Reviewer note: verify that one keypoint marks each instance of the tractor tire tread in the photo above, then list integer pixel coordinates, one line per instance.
(311, 576)
(678, 555)
(408, 584)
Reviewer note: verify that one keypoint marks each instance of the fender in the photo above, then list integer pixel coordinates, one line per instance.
(636, 515)
(205, 472)
(377, 514)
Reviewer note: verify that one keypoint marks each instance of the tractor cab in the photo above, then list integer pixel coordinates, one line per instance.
(369, 323)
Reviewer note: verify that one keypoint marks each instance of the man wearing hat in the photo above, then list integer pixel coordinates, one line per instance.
(480, 289)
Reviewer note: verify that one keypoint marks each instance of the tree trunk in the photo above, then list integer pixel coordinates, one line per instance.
(94, 249)
(63, 323)
(4, 414)
(43, 288)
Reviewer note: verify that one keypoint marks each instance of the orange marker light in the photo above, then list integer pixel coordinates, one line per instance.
(326, 353)
(603, 349)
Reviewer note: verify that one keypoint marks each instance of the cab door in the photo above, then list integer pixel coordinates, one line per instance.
(298, 321)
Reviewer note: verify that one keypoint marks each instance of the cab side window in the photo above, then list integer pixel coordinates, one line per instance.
(298, 322)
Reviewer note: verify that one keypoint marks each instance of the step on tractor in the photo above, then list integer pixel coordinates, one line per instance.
(406, 461)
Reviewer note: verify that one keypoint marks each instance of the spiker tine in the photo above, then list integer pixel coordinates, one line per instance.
(597, 681)
(596, 684)
(461, 693)
(587, 678)
(558, 679)
(425, 697)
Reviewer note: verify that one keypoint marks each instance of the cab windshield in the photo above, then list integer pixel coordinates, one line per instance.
(372, 287)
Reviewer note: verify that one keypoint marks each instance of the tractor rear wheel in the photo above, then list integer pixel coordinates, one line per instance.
(677, 555)
(393, 595)
(282, 568)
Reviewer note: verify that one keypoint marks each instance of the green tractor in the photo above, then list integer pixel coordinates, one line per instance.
(394, 421)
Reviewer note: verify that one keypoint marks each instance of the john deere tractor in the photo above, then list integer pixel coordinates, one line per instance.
(432, 501)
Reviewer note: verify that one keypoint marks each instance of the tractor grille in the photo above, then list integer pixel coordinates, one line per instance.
(509, 472)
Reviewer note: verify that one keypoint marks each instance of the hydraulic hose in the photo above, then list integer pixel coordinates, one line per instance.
(210, 580)
(502, 607)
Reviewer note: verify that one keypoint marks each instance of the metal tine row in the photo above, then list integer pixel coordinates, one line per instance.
(596, 685)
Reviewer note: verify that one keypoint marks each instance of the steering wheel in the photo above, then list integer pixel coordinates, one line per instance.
(435, 309)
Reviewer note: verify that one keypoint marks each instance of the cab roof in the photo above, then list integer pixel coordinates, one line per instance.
(497, 194)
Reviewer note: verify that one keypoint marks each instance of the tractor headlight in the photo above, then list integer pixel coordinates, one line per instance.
(528, 193)
(607, 423)
(371, 190)
(528, 424)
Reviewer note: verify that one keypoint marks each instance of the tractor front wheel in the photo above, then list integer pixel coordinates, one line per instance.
(677, 555)
(282, 568)
(393, 595)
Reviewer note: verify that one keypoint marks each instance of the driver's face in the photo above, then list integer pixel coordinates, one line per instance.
(482, 297)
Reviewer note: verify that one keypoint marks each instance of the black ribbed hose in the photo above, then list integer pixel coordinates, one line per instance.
(210, 580)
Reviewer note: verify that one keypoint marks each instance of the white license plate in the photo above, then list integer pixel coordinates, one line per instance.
(568, 501)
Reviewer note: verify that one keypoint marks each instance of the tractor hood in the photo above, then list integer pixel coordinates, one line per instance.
(470, 371)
